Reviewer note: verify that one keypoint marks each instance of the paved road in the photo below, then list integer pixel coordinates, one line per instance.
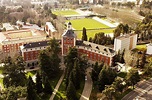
(87, 87)
(142, 91)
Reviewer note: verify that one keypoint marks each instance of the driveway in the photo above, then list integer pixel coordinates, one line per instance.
(142, 91)
(87, 87)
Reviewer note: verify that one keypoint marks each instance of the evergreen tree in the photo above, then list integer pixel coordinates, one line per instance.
(47, 87)
(143, 60)
(31, 94)
(106, 77)
(84, 34)
(45, 64)
(94, 74)
(71, 92)
(14, 72)
(39, 87)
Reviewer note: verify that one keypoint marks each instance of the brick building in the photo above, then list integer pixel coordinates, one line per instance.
(31, 51)
(11, 41)
(93, 52)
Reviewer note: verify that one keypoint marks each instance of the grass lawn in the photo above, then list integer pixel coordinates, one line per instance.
(91, 33)
(65, 12)
(141, 47)
(89, 23)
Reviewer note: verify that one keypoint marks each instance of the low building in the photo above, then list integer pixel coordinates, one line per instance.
(11, 41)
(149, 49)
(127, 42)
(50, 29)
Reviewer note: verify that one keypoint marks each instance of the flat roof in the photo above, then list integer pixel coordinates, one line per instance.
(125, 36)
(18, 34)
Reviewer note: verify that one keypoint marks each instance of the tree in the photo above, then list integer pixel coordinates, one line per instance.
(31, 94)
(45, 64)
(71, 92)
(14, 71)
(54, 50)
(143, 59)
(39, 23)
(108, 91)
(94, 74)
(133, 77)
(106, 77)
(118, 84)
(47, 87)
(39, 87)
(84, 34)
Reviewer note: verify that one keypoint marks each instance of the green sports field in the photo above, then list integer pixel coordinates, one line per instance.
(89, 23)
(65, 12)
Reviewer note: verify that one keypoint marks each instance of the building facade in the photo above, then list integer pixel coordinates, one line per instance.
(127, 42)
(31, 51)
(50, 29)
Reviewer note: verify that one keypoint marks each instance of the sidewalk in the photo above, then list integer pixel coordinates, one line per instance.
(87, 87)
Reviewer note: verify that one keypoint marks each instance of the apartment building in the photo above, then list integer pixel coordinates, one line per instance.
(127, 42)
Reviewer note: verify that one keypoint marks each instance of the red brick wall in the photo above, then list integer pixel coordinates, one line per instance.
(94, 56)
(67, 42)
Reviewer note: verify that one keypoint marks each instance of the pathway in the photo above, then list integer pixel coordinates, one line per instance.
(87, 87)
(58, 84)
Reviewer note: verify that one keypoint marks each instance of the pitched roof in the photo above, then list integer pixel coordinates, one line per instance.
(36, 44)
(69, 33)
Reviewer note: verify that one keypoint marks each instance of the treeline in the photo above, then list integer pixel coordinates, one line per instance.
(101, 38)
(144, 29)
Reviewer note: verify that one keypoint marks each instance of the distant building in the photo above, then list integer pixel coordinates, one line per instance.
(127, 42)
(122, 1)
(50, 29)
(21, 25)
(149, 49)
(11, 41)
(8, 26)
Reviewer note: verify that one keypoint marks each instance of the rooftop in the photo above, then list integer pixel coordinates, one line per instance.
(125, 36)
(95, 47)
(51, 27)
(19, 34)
